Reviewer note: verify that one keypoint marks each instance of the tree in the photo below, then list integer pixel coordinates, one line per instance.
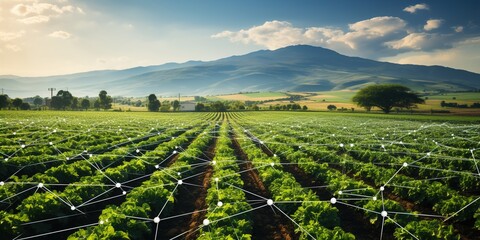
(85, 103)
(56, 102)
(74, 103)
(105, 100)
(176, 105)
(305, 108)
(37, 101)
(331, 107)
(62, 100)
(25, 106)
(96, 104)
(153, 103)
(386, 97)
(17, 102)
(4, 101)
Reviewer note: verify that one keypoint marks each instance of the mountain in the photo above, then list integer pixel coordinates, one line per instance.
(293, 68)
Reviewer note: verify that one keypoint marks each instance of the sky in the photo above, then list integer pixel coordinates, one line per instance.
(53, 37)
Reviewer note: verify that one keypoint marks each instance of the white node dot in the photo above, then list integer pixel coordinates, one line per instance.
(269, 202)
(68, 158)
(73, 208)
(55, 130)
(340, 192)
(382, 188)
(384, 213)
(333, 135)
(272, 164)
(180, 182)
(6, 159)
(274, 155)
(428, 154)
(156, 166)
(129, 139)
(90, 155)
(14, 133)
(138, 150)
(40, 185)
(383, 146)
(341, 145)
(374, 198)
(118, 185)
(2, 183)
(23, 146)
(174, 152)
(124, 193)
(220, 204)
(156, 220)
(173, 138)
(206, 222)
(50, 143)
(120, 130)
(216, 179)
(351, 144)
(214, 162)
(261, 142)
(333, 200)
(101, 222)
(405, 164)
(179, 173)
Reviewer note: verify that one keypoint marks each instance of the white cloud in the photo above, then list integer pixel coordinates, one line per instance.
(458, 29)
(411, 41)
(39, 8)
(60, 34)
(416, 7)
(35, 19)
(13, 47)
(421, 41)
(8, 36)
(276, 34)
(378, 28)
(433, 24)
(79, 10)
(463, 54)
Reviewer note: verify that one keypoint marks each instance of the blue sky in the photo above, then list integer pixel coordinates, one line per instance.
(48, 37)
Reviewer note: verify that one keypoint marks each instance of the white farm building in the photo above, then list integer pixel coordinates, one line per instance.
(187, 106)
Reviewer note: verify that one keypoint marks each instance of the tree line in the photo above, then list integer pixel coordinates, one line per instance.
(63, 100)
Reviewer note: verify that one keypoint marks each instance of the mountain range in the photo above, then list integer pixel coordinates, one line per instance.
(294, 68)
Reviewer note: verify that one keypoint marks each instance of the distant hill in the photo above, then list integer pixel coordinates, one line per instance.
(293, 68)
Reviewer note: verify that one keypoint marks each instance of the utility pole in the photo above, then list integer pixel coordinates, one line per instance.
(51, 91)
(51, 95)
(2, 91)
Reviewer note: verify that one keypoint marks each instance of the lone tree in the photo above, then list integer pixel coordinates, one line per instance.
(153, 103)
(176, 105)
(37, 100)
(105, 100)
(4, 101)
(386, 97)
(17, 102)
(85, 104)
(331, 107)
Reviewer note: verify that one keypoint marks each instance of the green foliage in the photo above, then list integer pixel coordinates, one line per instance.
(426, 230)
(153, 103)
(386, 97)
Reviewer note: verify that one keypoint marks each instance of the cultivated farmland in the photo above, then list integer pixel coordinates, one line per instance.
(238, 175)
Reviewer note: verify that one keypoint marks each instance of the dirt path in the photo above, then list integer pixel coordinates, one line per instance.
(266, 224)
(350, 220)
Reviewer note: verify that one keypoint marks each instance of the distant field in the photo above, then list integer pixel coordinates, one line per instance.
(262, 96)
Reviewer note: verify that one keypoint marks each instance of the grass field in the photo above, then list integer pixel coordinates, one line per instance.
(260, 175)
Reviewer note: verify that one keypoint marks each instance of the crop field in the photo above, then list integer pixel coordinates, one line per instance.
(238, 175)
